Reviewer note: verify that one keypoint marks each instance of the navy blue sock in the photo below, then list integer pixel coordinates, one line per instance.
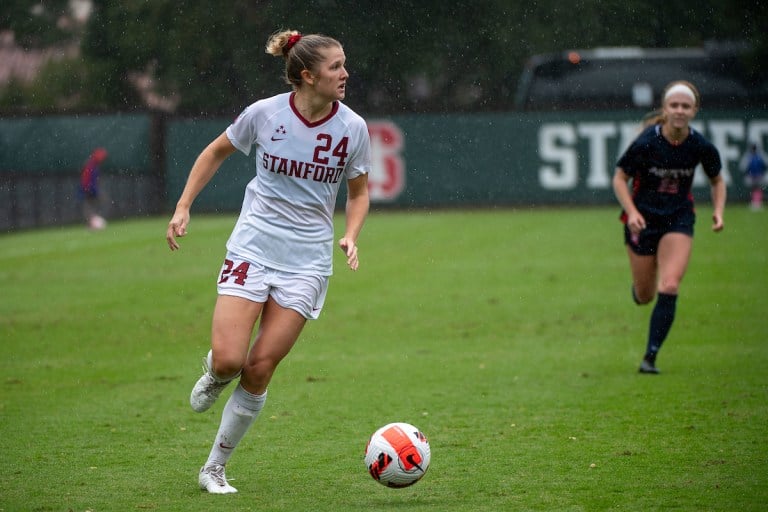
(661, 322)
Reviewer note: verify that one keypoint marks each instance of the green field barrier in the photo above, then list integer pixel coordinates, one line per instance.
(62, 144)
(41, 158)
(419, 160)
(471, 160)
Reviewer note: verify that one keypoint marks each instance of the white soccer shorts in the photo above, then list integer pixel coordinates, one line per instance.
(304, 293)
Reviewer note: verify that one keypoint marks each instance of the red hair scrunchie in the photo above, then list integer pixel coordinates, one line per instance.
(291, 41)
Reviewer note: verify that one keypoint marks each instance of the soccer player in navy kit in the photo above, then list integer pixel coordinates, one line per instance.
(658, 213)
(279, 255)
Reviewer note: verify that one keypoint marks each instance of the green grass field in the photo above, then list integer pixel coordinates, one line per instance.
(508, 336)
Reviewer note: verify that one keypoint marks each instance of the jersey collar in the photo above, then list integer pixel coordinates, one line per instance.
(334, 109)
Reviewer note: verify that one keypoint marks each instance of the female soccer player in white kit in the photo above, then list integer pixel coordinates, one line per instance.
(279, 255)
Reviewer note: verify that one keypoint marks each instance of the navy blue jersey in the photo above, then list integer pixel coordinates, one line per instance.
(662, 173)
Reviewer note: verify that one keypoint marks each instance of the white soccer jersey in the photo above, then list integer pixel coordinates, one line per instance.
(286, 221)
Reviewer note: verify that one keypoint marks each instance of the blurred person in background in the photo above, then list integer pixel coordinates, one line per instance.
(90, 191)
(753, 166)
(658, 213)
(279, 256)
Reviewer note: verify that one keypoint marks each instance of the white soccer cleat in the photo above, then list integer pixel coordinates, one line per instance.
(213, 480)
(207, 388)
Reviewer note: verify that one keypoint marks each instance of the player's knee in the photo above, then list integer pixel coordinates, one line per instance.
(225, 367)
(643, 295)
(669, 285)
(670, 288)
(643, 300)
(256, 375)
(259, 367)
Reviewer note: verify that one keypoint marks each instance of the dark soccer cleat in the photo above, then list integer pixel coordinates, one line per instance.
(648, 367)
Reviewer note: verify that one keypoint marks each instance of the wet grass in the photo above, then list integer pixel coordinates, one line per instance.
(507, 336)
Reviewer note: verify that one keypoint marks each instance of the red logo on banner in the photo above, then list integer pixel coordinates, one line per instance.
(387, 178)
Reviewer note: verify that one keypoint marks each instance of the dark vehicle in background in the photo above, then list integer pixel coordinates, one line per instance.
(630, 77)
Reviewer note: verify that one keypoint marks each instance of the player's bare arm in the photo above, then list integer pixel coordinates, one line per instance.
(635, 220)
(358, 204)
(202, 171)
(718, 202)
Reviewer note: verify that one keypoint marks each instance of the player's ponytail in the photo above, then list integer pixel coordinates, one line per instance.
(299, 51)
(281, 42)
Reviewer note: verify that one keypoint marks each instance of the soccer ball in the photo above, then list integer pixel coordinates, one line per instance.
(97, 222)
(397, 455)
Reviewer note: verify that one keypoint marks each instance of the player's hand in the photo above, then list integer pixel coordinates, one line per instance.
(350, 250)
(177, 227)
(717, 223)
(635, 222)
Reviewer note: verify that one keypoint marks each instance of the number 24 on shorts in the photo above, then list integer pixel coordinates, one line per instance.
(240, 272)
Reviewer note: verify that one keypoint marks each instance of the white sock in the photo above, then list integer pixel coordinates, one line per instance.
(239, 413)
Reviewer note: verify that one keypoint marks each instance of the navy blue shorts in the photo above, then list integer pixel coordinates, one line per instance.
(647, 242)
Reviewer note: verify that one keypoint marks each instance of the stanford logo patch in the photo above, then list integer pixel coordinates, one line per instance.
(387, 178)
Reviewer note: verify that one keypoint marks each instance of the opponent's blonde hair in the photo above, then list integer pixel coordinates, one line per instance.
(299, 51)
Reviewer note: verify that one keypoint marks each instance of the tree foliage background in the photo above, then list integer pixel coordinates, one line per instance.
(203, 57)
